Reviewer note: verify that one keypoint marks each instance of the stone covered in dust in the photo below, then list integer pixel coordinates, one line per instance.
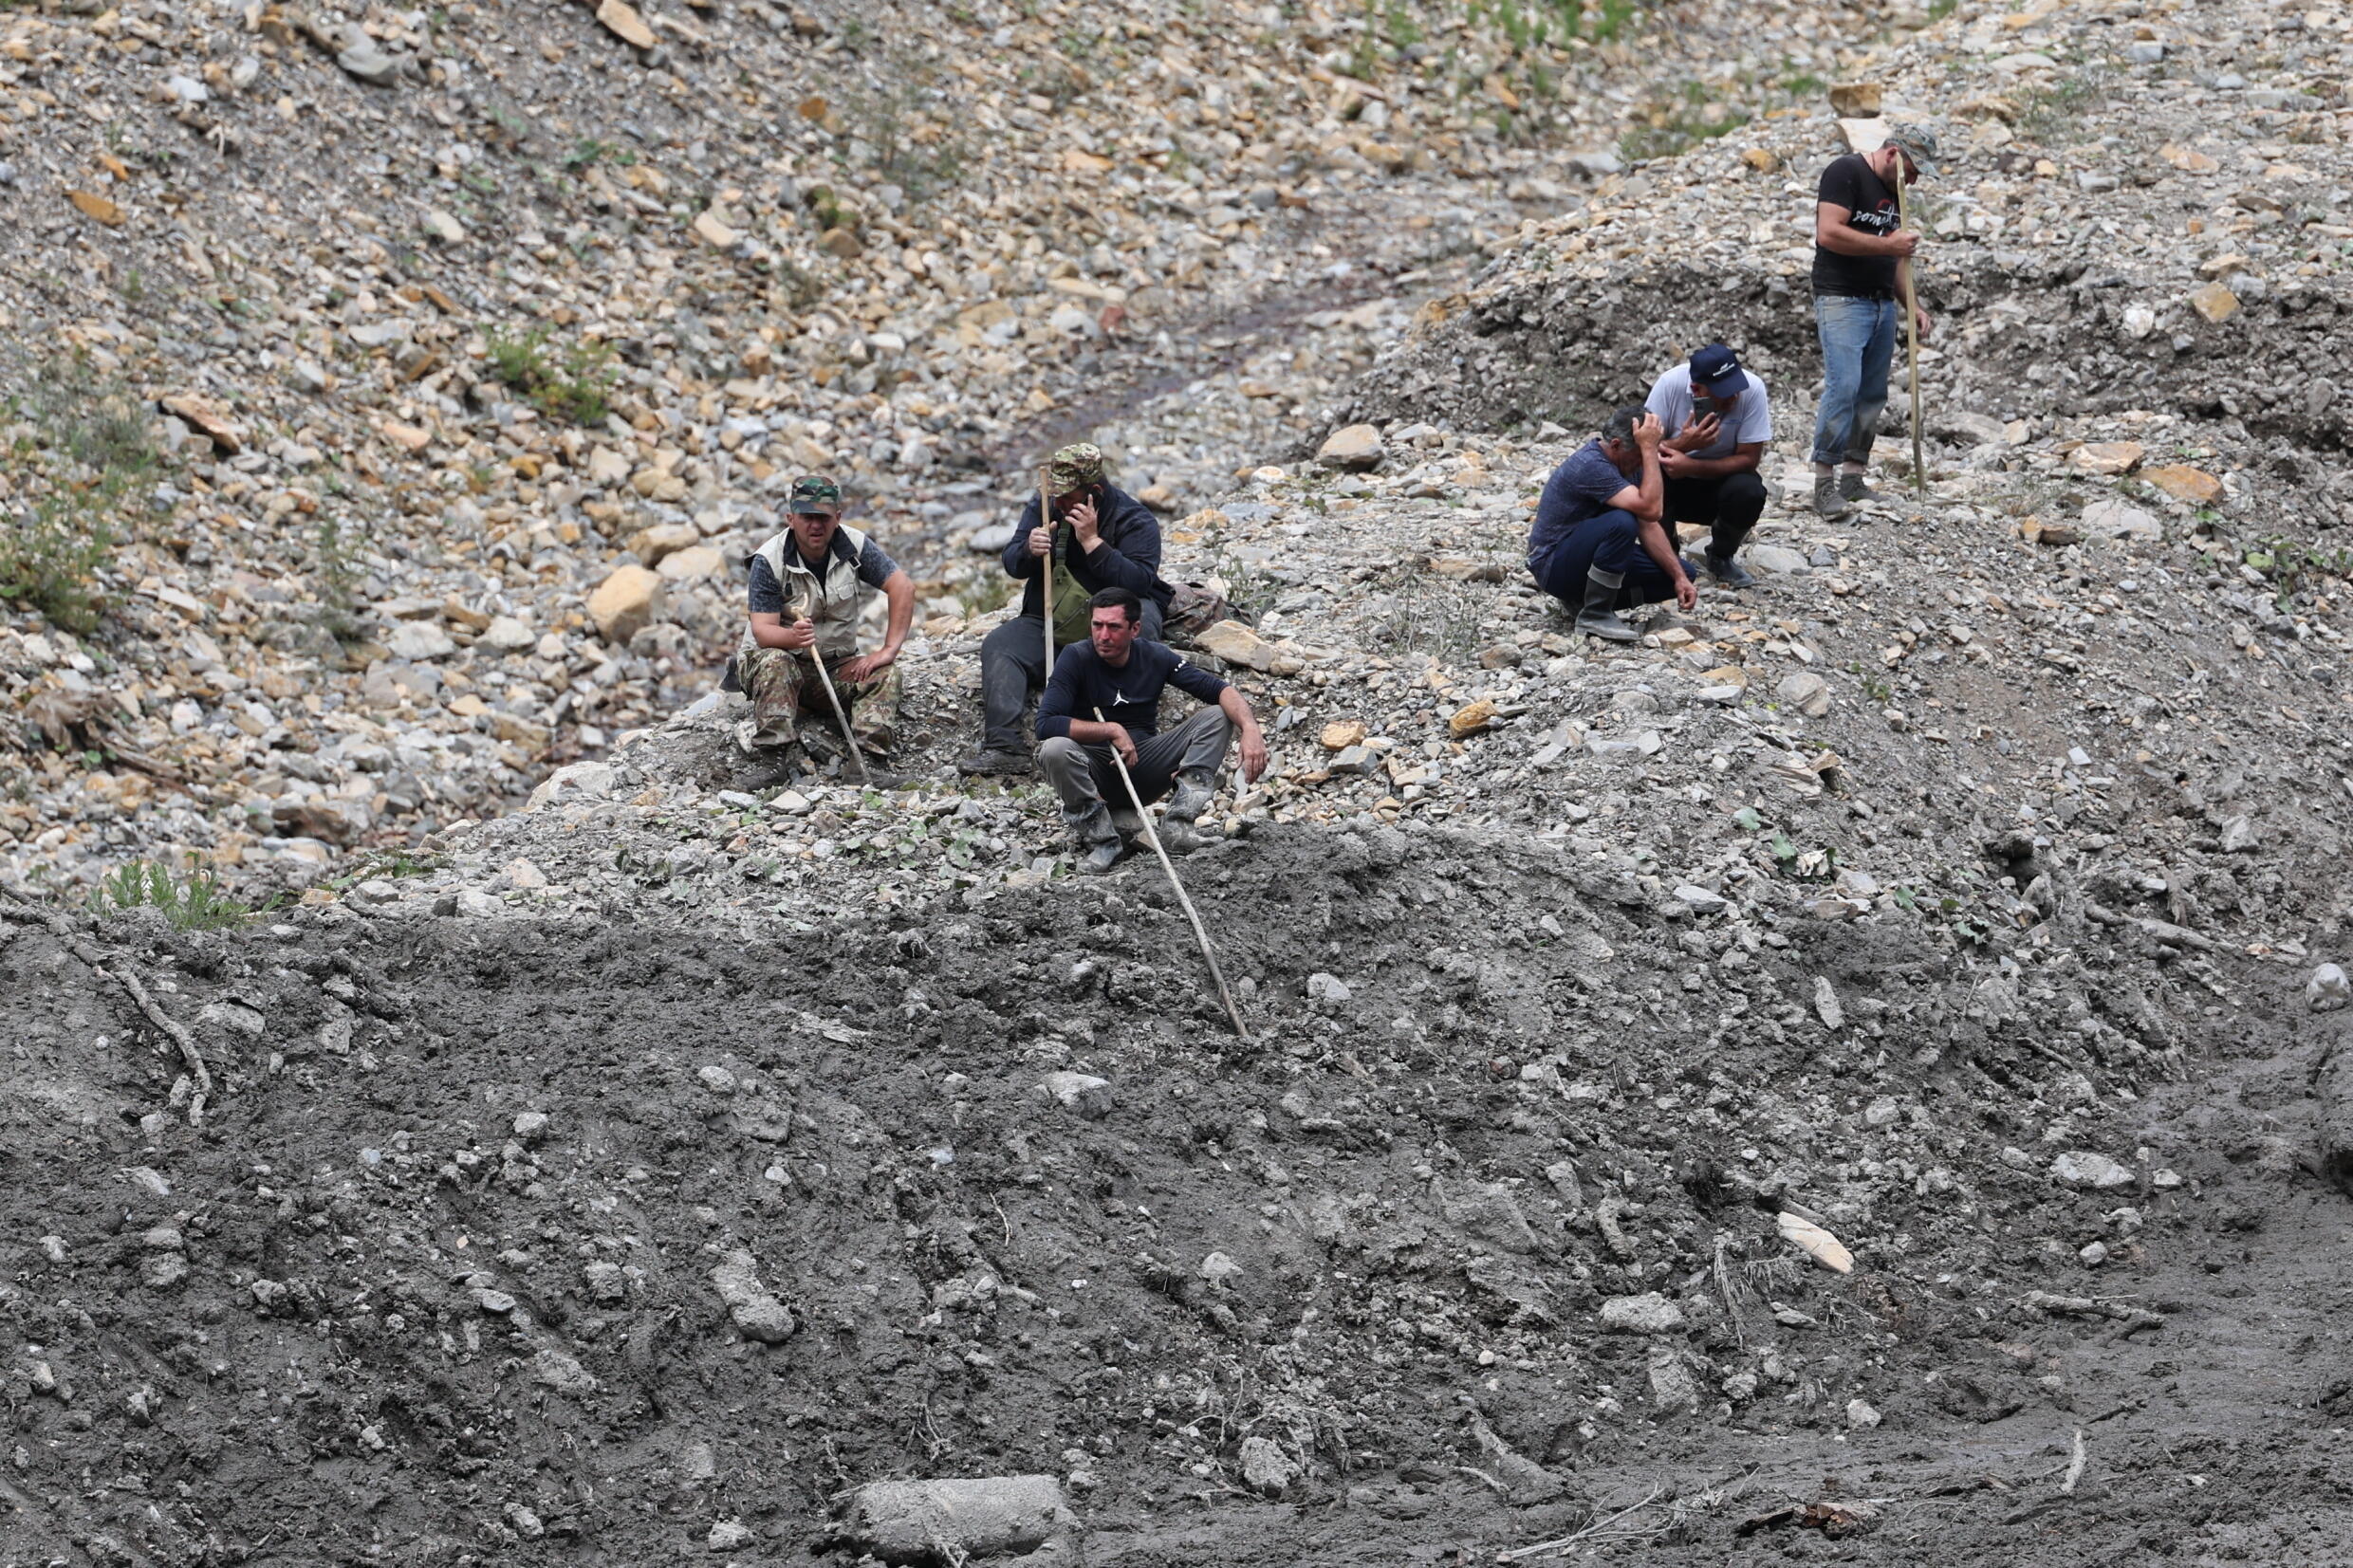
(917, 1522)
(757, 1313)
(1648, 1313)
(2085, 1169)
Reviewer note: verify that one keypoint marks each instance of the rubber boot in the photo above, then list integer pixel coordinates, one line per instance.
(1191, 798)
(1098, 843)
(1598, 619)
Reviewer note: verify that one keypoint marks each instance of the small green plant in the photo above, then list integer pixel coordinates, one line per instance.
(573, 383)
(2047, 113)
(193, 900)
(91, 447)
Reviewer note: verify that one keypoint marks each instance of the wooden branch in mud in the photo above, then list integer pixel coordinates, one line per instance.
(118, 971)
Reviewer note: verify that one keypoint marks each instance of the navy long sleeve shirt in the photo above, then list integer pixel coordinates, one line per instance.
(1129, 696)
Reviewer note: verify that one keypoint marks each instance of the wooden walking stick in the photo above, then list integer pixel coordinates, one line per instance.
(841, 716)
(1045, 583)
(1200, 932)
(1912, 326)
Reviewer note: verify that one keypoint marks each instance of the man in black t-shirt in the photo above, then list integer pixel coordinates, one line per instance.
(1863, 265)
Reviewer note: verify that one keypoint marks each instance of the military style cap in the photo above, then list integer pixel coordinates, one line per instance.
(1916, 142)
(1075, 467)
(813, 495)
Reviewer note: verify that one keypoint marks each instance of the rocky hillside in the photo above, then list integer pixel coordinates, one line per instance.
(480, 335)
(1861, 1073)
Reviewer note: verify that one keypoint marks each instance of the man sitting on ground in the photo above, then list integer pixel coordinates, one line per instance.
(1116, 672)
(1717, 426)
(809, 585)
(1100, 537)
(1598, 543)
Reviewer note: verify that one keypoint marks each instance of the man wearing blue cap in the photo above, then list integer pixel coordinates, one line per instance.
(1717, 424)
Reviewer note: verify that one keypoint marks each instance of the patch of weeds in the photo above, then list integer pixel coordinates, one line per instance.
(1427, 614)
(193, 900)
(91, 446)
(571, 381)
(799, 288)
(588, 152)
(2293, 564)
(1676, 123)
(338, 578)
(388, 864)
(2047, 113)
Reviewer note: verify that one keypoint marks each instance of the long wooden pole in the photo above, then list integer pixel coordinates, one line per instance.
(1912, 326)
(1200, 932)
(1045, 521)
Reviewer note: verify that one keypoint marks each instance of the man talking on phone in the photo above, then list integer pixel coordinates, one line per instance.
(1717, 424)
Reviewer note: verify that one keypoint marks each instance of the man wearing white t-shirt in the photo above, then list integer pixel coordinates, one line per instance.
(1717, 423)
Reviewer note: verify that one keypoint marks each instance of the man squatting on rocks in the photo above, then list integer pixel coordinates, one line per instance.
(1116, 670)
(808, 585)
(1598, 543)
(1863, 265)
(1100, 537)
(1718, 422)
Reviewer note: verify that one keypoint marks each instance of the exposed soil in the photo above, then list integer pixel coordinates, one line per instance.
(365, 1314)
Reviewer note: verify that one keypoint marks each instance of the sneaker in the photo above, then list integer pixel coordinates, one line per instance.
(1829, 501)
(1851, 488)
(1727, 570)
(985, 762)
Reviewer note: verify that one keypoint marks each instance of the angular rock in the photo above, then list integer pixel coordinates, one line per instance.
(2118, 522)
(625, 604)
(1088, 1095)
(2328, 990)
(1238, 644)
(1815, 1241)
(1805, 691)
(2084, 1169)
(1265, 1468)
(1649, 1313)
(2106, 457)
(1355, 448)
(2184, 483)
(622, 21)
(759, 1315)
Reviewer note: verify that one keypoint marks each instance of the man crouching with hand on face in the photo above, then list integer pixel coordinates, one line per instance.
(1120, 675)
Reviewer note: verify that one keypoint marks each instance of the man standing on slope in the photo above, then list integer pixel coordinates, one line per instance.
(1863, 265)
(1718, 425)
(1100, 537)
(1598, 545)
(1115, 672)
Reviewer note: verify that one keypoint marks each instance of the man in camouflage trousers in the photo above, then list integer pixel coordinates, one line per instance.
(809, 584)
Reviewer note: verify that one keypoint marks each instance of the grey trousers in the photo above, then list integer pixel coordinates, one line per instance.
(1086, 776)
(1012, 666)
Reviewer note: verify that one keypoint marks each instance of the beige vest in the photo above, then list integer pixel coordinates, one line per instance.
(832, 598)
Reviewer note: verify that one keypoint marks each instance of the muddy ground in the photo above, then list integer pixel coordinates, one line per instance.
(431, 1283)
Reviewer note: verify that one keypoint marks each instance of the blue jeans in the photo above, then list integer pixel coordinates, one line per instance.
(1609, 542)
(1858, 344)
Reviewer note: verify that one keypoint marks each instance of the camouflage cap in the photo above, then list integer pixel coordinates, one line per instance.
(813, 495)
(1075, 467)
(1916, 142)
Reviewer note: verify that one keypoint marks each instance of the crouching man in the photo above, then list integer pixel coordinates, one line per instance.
(1120, 675)
(809, 585)
(1598, 545)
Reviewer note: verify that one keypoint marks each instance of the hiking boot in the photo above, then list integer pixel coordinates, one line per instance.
(987, 763)
(1851, 488)
(1598, 618)
(1727, 570)
(1827, 501)
(1194, 790)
